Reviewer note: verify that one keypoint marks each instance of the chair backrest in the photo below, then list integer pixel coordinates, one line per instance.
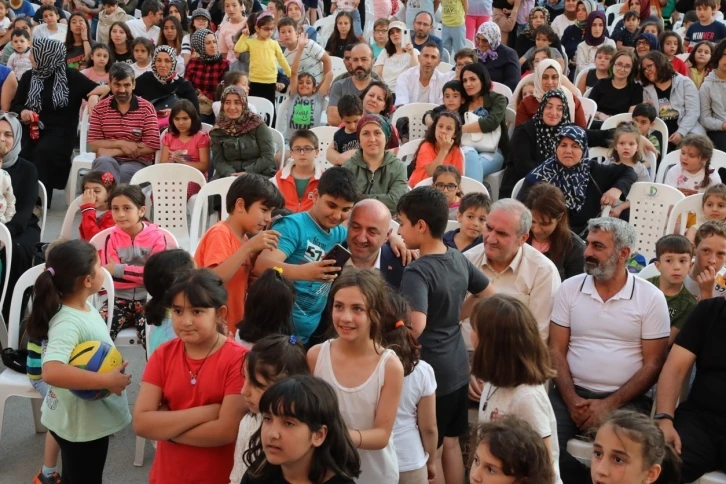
(509, 116)
(445, 55)
(599, 153)
(338, 66)
(282, 116)
(415, 113)
(582, 74)
(43, 195)
(652, 164)
(613, 121)
(517, 188)
(324, 26)
(718, 160)
(157, 156)
(406, 152)
(650, 204)
(611, 13)
(264, 107)
(99, 239)
(444, 67)
(279, 140)
(648, 271)
(502, 89)
(468, 185)
(325, 137)
(83, 137)
(452, 225)
(589, 107)
(67, 232)
(393, 225)
(7, 241)
(199, 215)
(468, 44)
(691, 204)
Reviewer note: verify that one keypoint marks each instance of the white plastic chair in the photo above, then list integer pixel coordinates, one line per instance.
(599, 153)
(282, 115)
(406, 152)
(582, 74)
(648, 271)
(444, 67)
(468, 185)
(517, 188)
(43, 195)
(199, 215)
(7, 241)
(137, 13)
(712, 478)
(80, 162)
(659, 125)
(452, 225)
(649, 207)
(580, 449)
(264, 107)
(718, 160)
(652, 160)
(611, 29)
(502, 89)
(589, 107)
(415, 113)
(690, 204)
(169, 195)
(612, 13)
(67, 232)
(468, 43)
(325, 138)
(393, 226)
(338, 66)
(279, 140)
(324, 26)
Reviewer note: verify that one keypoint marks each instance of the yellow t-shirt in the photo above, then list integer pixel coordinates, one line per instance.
(263, 53)
(452, 13)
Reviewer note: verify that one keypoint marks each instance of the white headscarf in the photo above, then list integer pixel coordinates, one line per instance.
(536, 78)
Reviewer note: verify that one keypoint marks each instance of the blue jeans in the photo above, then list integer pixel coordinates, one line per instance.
(453, 39)
(480, 165)
(357, 28)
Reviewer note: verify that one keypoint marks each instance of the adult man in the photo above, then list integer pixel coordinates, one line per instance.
(123, 130)
(697, 428)
(422, 25)
(361, 63)
(515, 267)
(148, 25)
(413, 7)
(346, 62)
(608, 338)
(423, 83)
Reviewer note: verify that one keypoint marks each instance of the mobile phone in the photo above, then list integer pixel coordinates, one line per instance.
(339, 254)
(405, 38)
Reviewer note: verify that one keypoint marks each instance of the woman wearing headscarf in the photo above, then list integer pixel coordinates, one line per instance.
(587, 185)
(206, 71)
(52, 94)
(569, 16)
(644, 43)
(595, 36)
(162, 86)
(547, 76)
(575, 33)
(538, 16)
(295, 9)
(501, 61)
(380, 174)
(241, 141)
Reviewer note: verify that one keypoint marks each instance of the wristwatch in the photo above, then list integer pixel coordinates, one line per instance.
(661, 416)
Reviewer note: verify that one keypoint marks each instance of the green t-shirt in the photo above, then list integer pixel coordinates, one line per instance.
(301, 185)
(65, 414)
(679, 306)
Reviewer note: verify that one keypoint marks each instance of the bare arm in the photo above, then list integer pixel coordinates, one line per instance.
(654, 354)
(426, 420)
(10, 86)
(322, 271)
(418, 322)
(471, 301)
(675, 370)
(559, 343)
(220, 431)
(333, 116)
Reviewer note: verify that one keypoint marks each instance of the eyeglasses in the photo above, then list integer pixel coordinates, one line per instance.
(380, 31)
(624, 67)
(305, 149)
(449, 187)
(648, 67)
(268, 29)
(460, 65)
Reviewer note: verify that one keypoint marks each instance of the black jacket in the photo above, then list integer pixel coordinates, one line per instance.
(149, 88)
(573, 261)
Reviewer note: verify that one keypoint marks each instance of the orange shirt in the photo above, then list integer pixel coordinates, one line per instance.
(217, 245)
(427, 154)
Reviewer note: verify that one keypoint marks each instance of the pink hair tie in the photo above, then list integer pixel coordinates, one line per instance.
(51, 270)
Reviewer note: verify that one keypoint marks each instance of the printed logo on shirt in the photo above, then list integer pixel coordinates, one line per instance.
(350, 145)
(51, 400)
(313, 253)
(302, 113)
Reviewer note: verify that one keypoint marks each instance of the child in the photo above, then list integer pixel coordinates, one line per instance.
(706, 278)
(272, 358)
(160, 272)
(693, 174)
(342, 35)
(19, 60)
(688, 19)
(713, 206)
(472, 216)
(142, 49)
(99, 65)
(193, 409)
(414, 430)
(512, 359)
(627, 149)
(509, 450)
(307, 100)
(370, 391)
(626, 37)
(313, 58)
(124, 254)
(644, 116)
(435, 285)
(317, 449)
(671, 45)
(699, 62)
(649, 457)
(5, 20)
(61, 315)
(350, 8)
(298, 180)
(673, 255)
(95, 213)
(226, 248)
(263, 53)
(185, 142)
(50, 26)
(545, 37)
(380, 36)
(447, 179)
(706, 28)
(7, 197)
(345, 140)
(227, 30)
(441, 146)
(110, 13)
(263, 319)
(603, 55)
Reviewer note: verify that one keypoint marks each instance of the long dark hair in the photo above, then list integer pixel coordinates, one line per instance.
(66, 265)
(336, 40)
(692, 56)
(268, 307)
(108, 51)
(312, 401)
(202, 288)
(273, 358)
(129, 38)
(160, 272)
(704, 145)
(430, 136)
(69, 33)
(373, 288)
(549, 202)
(181, 6)
(179, 34)
(186, 106)
(389, 46)
(398, 332)
(481, 72)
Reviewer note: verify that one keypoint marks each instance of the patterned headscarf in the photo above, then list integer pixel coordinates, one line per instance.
(166, 49)
(539, 91)
(50, 59)
(529, 29)
(375, 119)
(571, 181)
(491, 32)
(248, 121)
(197, 40)
(545, 134)
(589, 39)
(590, 7)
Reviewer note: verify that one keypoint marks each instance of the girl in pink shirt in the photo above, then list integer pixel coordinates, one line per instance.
(229, 29)
(99, 65)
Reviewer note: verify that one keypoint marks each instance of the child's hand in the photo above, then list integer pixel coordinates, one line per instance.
(302, 40)
(446, 142)
(116, 381)
(431, 470)
(675, 138)
(616, 211)
(267, 239)
(707, 280)
(687, 191)
(84, 29)
(280, 87)
(321, 271)
(110, 267)
(89, 196)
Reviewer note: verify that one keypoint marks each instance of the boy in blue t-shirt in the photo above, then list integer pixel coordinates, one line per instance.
(706, 28)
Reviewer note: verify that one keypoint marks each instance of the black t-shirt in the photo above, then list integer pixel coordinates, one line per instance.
(76, 58)
(343, 141)
(274, 476)
(128, 57)
(665, 110)
(591, 78)
(704, 335)
(612, 101)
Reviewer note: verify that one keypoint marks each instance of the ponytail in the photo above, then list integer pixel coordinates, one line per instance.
(670, 468)
(398, 332)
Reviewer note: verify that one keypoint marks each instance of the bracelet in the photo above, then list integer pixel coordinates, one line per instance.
(663, 416)
(360, 438)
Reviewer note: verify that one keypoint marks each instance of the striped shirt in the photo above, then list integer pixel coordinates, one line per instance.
(310, 61)
(34, 363)
(138, 125)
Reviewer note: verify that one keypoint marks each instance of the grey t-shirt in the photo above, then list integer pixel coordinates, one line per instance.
(436, 285)
(304, 112)
(340, 89)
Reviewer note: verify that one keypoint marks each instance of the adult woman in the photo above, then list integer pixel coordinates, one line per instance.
(207, 71)
(713, 99)
(78, 45)
(595, 36)
(548, 76)
(618, 93)
(587, 185)
(162, 86)
(526, 38)
(241, 141)
(8, 87)
(171, 34)
(380, 174)
(296, 11)
(54, 92)
(575, 33)
(491, 107)
(22, 23)
(550, 232)
(501, 61)
(120, 38)
(674, 96)
(378, 99)
(178, 9)
(645, 9)
(568, 17)
(395, 58)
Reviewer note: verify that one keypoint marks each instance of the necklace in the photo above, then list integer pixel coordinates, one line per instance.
(489, 395)
(193, 376)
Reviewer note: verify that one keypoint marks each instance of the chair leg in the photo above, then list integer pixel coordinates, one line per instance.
(3, 401)
(4, 338)
(139, 455)
(36, 403)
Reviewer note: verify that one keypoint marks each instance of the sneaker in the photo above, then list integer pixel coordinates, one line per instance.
(41, 478)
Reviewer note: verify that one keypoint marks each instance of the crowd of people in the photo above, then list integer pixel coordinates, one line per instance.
(331, 329)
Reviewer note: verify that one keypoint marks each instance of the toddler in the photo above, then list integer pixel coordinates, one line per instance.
(19, 60)
(693, 173)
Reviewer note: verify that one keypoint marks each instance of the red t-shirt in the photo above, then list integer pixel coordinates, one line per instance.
(220, 376)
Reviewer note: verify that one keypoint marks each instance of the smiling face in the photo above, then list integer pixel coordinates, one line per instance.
(472, 221)
(553, 111)
(293, 11)
(372, 141)
(482, 43)
(648, 68)
(200, 23)
(374, 101)
(7, 138)
(368, 230)
(233, 106)
(306, 85)
(550, 79)
(622, 67)
(618, 459)
(542, 226)
(351, 314)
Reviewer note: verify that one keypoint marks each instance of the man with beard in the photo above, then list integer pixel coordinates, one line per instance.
(608, 339)
(423, 83)
(422, 25)
(361, 64)
(123, 129)
(349, 68)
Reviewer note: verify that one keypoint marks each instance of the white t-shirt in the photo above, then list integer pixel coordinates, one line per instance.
(138, 29)
(42, 32)
(679, 178)
(310, 61)
(719, 289)
(393, 66)
(406, 438)
(186, 47)
(344, 5)
(5, 24)
(560, 23)
(528, 402)
(140, 70)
